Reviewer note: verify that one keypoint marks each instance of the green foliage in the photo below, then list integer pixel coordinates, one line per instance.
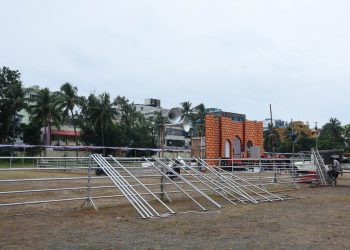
(186, 108)
(67, 100)
(11, 102)
(136, 131)
(196, 116)
(269, 138)
(347, 137)
(31, 135)
(198, 120)
(303, 142)
(99, 126)
(331, 136)
(44, 110)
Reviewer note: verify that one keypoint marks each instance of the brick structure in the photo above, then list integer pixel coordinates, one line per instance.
(226, 138)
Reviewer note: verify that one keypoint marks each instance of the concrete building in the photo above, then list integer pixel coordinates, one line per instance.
(299, 127)
(30, 95)
(175, 136)
(233, 116)
(276, 123)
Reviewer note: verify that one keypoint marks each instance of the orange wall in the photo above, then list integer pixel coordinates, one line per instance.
(219, 129)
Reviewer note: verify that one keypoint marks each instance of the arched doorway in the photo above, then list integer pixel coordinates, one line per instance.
(237, 147)
(249, 145)
(227, 149)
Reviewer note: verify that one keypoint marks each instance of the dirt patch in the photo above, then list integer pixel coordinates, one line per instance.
(317, 219)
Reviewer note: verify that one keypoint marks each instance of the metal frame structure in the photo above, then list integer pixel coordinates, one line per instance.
(321, 170)
(143, 182)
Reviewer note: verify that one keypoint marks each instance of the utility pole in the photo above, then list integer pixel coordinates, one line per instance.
(292, 138)
(316, 135)
(272, 136)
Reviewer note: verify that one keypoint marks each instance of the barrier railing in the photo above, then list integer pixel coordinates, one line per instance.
(71, 180)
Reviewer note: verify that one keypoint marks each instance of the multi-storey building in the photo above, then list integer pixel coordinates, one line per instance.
(175, 136)
(299, 127)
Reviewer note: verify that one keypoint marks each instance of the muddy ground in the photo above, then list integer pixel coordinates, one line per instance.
(318, 218)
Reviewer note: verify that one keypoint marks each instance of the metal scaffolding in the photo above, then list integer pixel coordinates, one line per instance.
(153, 186)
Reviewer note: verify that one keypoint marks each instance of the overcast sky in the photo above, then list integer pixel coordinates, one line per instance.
(237, 55)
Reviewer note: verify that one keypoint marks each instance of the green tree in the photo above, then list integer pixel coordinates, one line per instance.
(272, 138)
(31, 135)
(158, 122)
(186, 109)
(305, 143)
(11, 102)
(104, 114)
(301, 141)
(135, 129)
(199, 114)
(67, 101)
(121, 124)
(88, 127)
(346, 136)
(331, 135)
(44, 110)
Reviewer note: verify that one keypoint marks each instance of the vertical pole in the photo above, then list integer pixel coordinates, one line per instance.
(24, 154)
(89, 183)
(316, 135)
(293, 143)
(260, 171)
(292, 138)
(162, 179)
(273, 146)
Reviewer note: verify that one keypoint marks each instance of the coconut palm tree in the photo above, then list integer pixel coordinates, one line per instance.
(186, 108)
(44, 109)
(16, 102)
(67, 101)
(104, 113)
(334, 129)
(331, 134)
(158, 121)
(199, 118)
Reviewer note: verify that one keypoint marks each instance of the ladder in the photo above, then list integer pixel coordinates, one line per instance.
(321, 170)
(136, 200)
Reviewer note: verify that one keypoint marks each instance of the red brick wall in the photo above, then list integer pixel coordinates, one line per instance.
(212, 137)
(220, 129)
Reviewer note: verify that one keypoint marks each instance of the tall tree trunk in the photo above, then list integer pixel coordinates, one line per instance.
(49, 141)
(103, 139)
(13, 136)
(75, 129)
(8, 130)
(44, 141)
(75, 132)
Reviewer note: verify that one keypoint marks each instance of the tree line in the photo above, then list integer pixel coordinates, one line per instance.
(106, 121)
(102, 120)
(332, 135)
